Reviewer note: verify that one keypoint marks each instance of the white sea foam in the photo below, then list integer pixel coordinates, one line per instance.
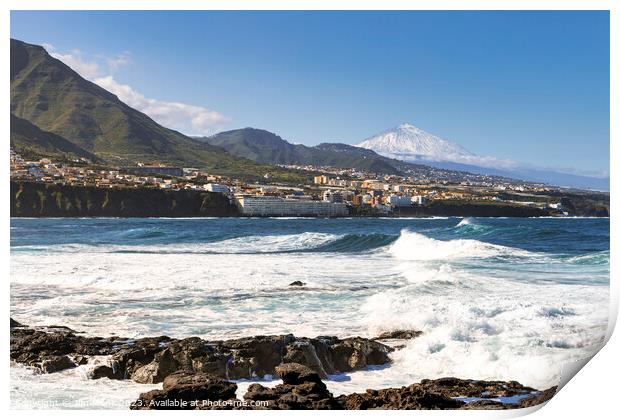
(212, 295)
(491, 329)
(466, 221)
(71, 389)
(483, 315)
(413, 246)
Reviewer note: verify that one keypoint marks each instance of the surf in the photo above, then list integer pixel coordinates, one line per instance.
(413, 246)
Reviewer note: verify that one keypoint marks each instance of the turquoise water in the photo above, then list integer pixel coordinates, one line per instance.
(499, 298)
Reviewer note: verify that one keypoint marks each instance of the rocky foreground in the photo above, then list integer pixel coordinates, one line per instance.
(197, 373)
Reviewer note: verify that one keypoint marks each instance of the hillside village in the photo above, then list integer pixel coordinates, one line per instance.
(333, 193)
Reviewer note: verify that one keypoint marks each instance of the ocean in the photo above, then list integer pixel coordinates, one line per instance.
(495, 298)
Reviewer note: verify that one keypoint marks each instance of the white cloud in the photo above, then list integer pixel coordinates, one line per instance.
(488, 162)
(179, 116)
(86, 69)
(189, 119)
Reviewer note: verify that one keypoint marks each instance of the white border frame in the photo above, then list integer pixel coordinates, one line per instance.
(592, 394)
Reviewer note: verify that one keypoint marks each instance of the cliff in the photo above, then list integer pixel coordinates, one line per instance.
(32, 199)
(467, 209)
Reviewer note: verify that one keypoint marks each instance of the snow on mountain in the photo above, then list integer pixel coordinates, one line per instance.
(410, 143)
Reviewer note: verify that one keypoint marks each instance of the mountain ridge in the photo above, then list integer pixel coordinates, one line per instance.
(267, 147)
(29, 140)
(53, 97)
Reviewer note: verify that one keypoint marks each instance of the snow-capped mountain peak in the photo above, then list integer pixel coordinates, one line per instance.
(408, 142)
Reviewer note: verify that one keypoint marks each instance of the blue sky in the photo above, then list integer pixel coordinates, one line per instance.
(532, 87)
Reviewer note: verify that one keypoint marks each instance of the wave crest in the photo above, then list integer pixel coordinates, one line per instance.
(413, 246)
(254, 244)
(466, 221)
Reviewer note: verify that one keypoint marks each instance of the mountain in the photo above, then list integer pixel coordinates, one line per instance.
(412, 144)
(56, 99)
(408, 142)
(29, 140)
(266, 147)
(258, 145)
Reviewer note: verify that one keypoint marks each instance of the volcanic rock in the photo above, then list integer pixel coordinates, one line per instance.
(15, 324)
(152, 359)
(56, 363)
(297, 283)
(302, 388)
(104, 371)
(398, 335)
(259, 356)
(446, 393)
(187, 390)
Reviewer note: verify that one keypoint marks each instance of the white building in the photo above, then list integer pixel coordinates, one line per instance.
(337, 183)
(419, 199)
(332, 196)
(299, 197)
(252, 205)
(399, 200)
(218, 188)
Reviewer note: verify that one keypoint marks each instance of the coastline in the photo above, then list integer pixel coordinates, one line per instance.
(199, 374)
(37, 200)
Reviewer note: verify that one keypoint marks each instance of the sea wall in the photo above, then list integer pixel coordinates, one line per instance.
(34, 199)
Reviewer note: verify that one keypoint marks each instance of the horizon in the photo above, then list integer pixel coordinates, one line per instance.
(542, 90)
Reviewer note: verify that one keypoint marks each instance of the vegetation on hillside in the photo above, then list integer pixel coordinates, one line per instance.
(55, 99)
(31, 142)
(266, 147)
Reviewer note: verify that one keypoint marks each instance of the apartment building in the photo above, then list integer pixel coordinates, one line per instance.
(252, 205)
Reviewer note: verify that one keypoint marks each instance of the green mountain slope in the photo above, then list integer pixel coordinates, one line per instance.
(30, 141)
(258, 145)
(56, 99)
(266, 147)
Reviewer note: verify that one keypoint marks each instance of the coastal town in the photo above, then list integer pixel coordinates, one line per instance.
(331, 193)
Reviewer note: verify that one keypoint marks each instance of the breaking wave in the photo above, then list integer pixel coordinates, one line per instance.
(593, 258)
(465, 222)
(269, 244)
(413, 246)
(408, 246)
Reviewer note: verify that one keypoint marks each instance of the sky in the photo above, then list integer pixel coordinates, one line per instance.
(532, 87)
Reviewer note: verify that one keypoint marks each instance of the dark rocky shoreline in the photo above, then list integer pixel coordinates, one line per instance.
(197, 373)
